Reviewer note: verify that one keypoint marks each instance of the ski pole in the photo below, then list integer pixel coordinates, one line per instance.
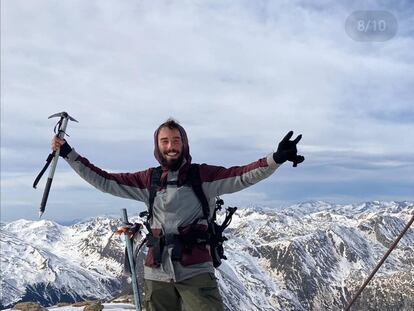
(52, 158)
(130, 251)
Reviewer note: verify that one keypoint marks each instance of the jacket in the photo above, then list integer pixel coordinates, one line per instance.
(175, 205)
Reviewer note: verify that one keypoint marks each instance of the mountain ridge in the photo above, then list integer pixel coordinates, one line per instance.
(309, 256)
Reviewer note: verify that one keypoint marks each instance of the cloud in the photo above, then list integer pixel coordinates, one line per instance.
(238, 75)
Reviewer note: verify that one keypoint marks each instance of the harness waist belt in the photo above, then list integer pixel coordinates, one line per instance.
(179, 242)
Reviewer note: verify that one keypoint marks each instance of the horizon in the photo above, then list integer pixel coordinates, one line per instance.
(71, 222)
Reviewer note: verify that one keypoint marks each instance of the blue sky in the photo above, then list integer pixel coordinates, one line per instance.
(238, 75)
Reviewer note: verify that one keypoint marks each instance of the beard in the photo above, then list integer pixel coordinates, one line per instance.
(173, 164)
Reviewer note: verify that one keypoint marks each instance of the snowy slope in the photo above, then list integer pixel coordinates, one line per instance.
(305, 257)
(308, 257)
(106, 306)
(46, 262)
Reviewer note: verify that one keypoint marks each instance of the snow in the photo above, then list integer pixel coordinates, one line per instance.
(273, 255)
(107, 306)
(44, 252)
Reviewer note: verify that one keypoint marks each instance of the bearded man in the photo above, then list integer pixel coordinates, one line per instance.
(178, 274)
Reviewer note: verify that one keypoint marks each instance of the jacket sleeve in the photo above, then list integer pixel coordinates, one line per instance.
(125, 185)
(218, 180)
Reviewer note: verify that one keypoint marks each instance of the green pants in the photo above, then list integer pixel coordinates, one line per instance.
(199, 293)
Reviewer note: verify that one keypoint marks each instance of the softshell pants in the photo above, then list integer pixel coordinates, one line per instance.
(199, 293)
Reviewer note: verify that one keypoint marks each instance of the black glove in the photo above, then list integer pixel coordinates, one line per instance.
(286, 151)
(65, 149)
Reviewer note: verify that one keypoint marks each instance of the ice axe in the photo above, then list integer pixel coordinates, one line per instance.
(130, 252)
(53, 157)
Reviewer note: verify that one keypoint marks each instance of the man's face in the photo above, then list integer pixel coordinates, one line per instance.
(170, 146)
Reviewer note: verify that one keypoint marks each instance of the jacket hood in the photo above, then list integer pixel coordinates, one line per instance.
(185, 152)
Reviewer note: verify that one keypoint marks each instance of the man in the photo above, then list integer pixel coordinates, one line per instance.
(186, 280)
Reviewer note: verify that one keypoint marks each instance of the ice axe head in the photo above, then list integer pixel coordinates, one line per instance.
(63, 115)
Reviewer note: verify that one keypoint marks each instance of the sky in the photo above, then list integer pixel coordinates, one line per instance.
(238, 75)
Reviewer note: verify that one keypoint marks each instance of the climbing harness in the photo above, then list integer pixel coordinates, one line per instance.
(191, 235)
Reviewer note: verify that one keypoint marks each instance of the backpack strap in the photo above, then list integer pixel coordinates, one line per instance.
(155, 183)
(194, 180)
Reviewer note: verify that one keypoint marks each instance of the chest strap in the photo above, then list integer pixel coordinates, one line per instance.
(193, 180)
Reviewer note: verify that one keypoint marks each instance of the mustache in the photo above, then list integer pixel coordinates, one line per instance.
(171, 150)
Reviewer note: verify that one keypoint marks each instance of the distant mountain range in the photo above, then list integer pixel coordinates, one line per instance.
(309, 256)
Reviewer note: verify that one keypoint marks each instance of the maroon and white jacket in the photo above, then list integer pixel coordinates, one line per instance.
(175, 205)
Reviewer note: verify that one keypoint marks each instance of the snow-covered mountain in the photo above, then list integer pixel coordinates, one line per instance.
(46, 262)
(310, 256)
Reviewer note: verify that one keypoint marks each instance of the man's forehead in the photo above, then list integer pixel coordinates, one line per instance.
(166, 132)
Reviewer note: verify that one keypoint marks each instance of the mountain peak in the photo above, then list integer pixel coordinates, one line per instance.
(309, 256)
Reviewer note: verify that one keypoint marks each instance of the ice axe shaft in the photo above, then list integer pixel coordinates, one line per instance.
(61, 134)
(54, 157)
(131, 261)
